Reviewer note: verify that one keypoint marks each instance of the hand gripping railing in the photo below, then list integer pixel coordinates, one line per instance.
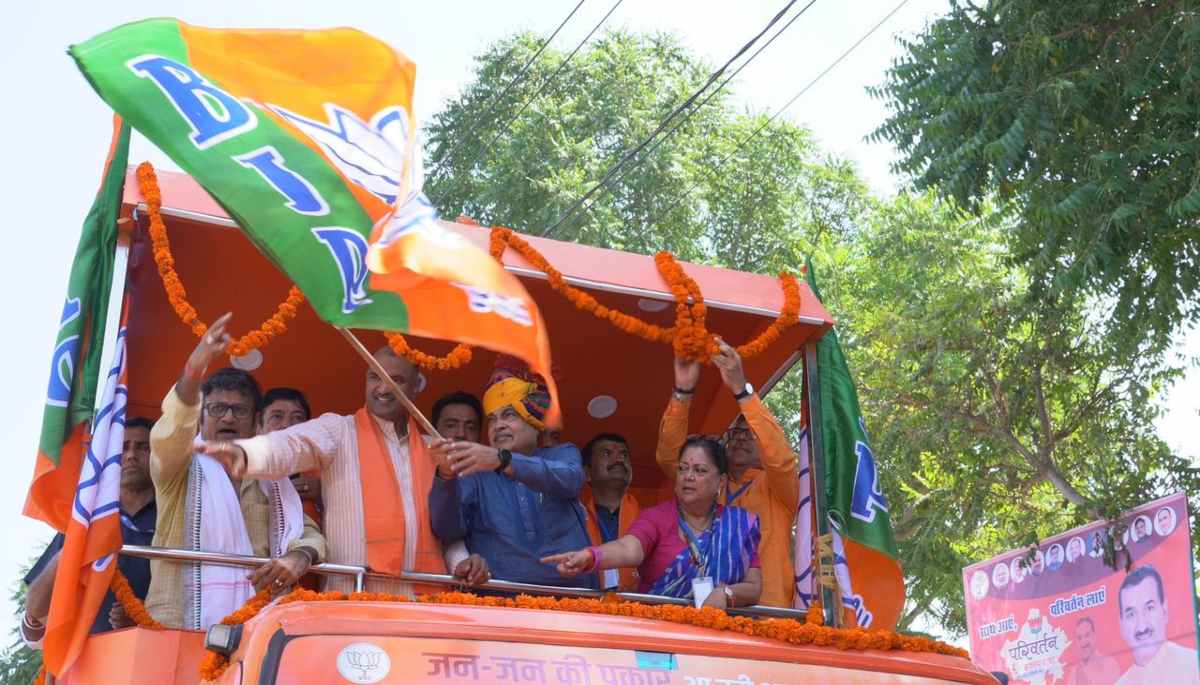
(360, 574)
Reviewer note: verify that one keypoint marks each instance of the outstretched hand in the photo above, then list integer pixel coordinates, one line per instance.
(228, 454)
(571, 564)
(212, 345)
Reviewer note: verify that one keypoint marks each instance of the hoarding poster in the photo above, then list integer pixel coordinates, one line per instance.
(1062, 616)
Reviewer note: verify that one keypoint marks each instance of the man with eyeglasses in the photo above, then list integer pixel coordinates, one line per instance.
(762, 465)
(203, 507)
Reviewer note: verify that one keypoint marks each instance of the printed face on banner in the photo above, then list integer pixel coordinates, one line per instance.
(1059, 615)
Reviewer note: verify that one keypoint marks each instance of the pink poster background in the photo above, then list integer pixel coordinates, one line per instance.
(1028, 619)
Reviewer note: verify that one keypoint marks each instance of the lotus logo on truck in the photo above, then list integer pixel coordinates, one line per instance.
(363, 662)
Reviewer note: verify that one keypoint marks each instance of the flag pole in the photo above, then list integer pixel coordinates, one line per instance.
(824, 572)
(375, 366)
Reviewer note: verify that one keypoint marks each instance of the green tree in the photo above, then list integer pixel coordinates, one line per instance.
(678, 195)
(999, 422)
(1081, 117)
(18, 663)
(995, 420)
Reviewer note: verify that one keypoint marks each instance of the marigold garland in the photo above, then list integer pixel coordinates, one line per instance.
(458, 357)
(134, 609)
(689, 336)
(177, 294)
(811, 631)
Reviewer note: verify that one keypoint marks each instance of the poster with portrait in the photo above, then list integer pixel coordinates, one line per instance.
(1060, 615)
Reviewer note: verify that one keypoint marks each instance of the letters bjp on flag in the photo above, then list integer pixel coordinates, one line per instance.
(308, 140)
(866, 561)
(77, 477)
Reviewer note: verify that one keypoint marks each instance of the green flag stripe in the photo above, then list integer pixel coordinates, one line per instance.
(117, 62)
(852, 479)
(74, 372)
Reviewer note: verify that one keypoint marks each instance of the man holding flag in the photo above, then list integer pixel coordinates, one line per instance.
(375, 473)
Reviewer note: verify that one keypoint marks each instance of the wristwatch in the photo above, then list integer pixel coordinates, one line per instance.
(728, 596)
(746, 392)
(505, 460)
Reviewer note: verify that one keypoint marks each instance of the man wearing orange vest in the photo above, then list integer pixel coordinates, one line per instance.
(375, 470)
(610, 506)
(762, 466)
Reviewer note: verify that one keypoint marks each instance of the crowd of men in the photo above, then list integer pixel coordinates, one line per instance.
(227, 468)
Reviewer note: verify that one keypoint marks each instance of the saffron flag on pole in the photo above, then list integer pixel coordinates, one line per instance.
(866, 560)
(309, 141)
(77, 474)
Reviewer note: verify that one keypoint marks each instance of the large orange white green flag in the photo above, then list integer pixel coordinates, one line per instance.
(77, 473)
(309, 141)
(866, 560)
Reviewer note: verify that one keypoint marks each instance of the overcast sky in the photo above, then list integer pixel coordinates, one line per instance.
(59, 134)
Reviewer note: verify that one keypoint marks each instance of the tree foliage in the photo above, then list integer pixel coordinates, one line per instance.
(1081, 117)
(997, 417)
(18, 663)
(1000, 421)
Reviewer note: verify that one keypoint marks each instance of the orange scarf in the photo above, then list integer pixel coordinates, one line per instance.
(383, 510)
(629, 511)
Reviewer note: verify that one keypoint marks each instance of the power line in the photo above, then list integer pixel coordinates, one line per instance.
(708, 99)
(521, 74)
(665, 122)
(542, 87)
(789, 103)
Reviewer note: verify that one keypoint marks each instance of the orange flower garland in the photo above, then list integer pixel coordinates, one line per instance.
(177, 294)
(458, 357)
(504, 237)
(134, 609)
(689, 336)
(808, 632)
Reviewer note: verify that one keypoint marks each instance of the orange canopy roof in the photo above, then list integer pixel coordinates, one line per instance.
(222, 272)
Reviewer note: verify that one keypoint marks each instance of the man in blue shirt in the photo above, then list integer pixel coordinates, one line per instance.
(513, 502)
(138, 515)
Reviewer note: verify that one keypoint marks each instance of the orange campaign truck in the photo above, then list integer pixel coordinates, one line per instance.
(301, 212)
(550, 636)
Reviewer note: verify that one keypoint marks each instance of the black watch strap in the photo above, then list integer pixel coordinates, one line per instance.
(505, 460)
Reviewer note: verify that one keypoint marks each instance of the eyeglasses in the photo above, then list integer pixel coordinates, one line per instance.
(218, 410)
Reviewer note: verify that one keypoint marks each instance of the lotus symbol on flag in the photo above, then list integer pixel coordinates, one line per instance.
(371, 154)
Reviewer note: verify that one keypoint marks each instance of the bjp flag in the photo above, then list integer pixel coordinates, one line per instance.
(308, 140)
(866, 560)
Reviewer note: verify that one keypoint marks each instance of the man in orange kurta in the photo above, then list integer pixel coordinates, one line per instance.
(611, 508)
(762, 466)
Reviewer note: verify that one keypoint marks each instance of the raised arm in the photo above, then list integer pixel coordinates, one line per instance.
(776, 455)
(778, 459)
(672, 430)
(172, 436)
(558, 472)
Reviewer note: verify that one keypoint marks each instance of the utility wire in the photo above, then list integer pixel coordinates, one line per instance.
(789, 103)
(487, 117)
(714, 93)
(542, 87)
(665, 122)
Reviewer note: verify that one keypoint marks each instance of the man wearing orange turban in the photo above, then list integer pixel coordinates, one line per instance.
(511, 500)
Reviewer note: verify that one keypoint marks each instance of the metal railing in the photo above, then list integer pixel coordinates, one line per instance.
(360, 574)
